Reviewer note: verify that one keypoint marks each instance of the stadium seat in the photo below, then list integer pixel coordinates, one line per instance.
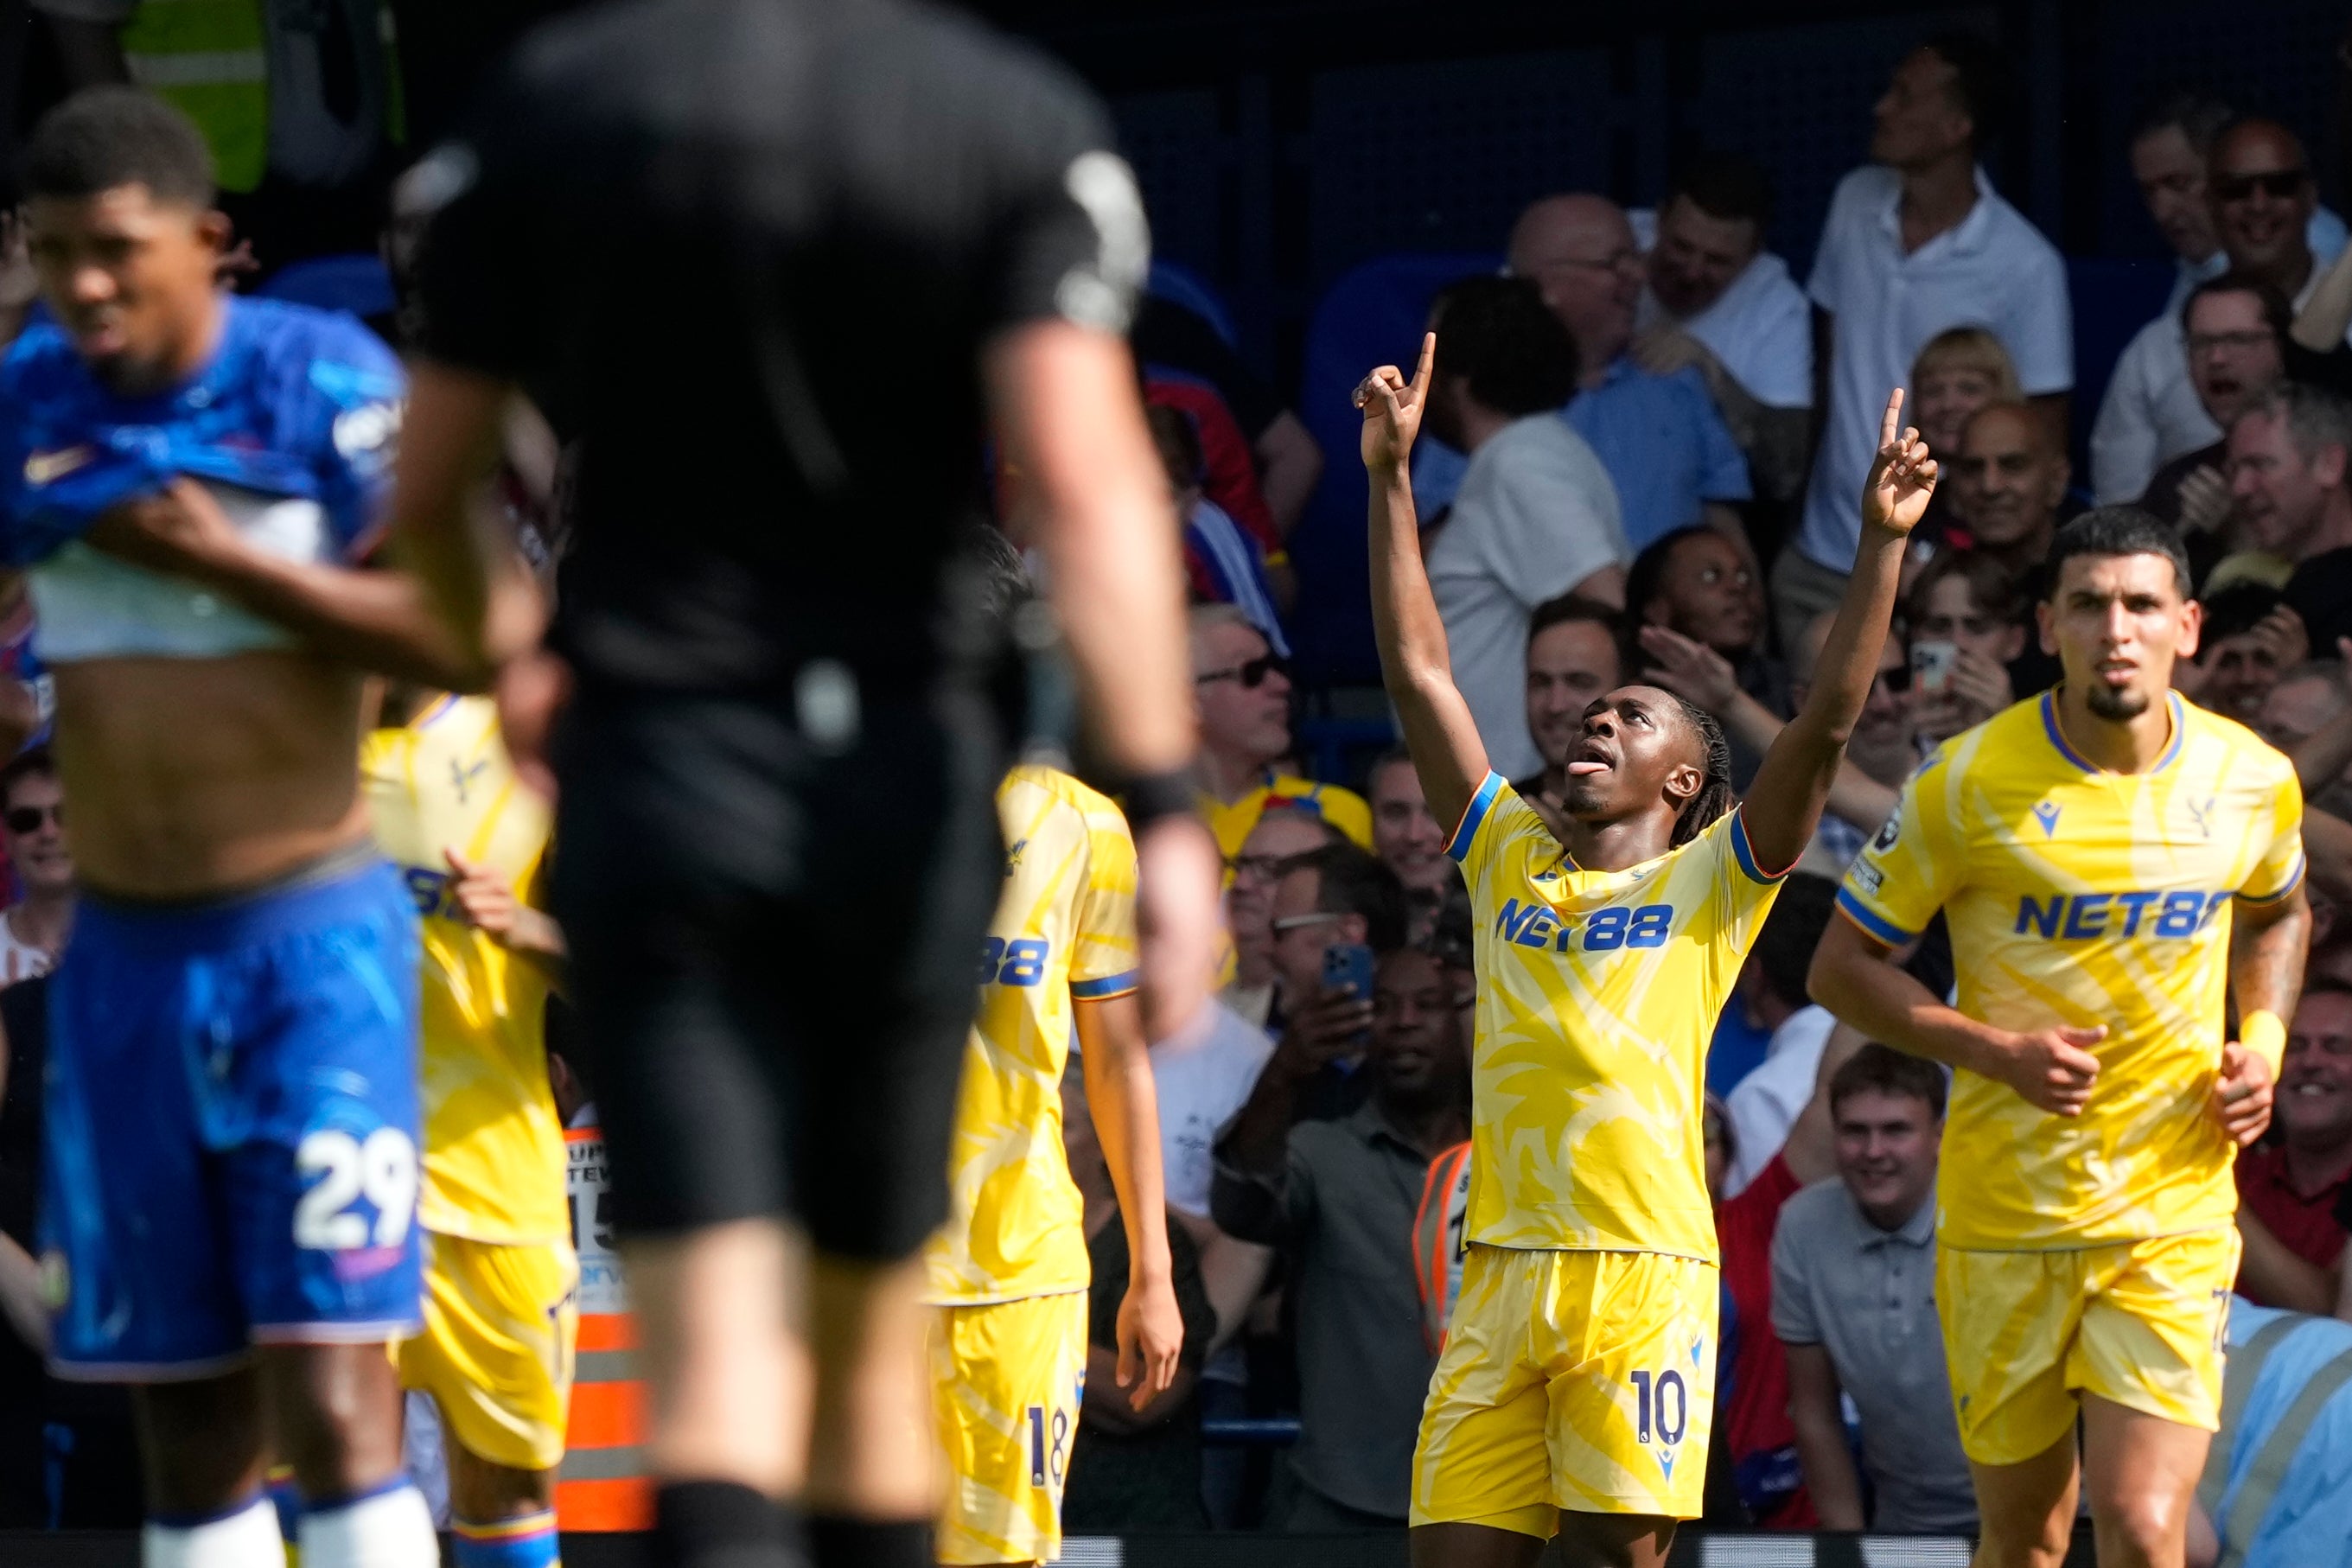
(1373, 314)
(1179, 285)
(359, 282)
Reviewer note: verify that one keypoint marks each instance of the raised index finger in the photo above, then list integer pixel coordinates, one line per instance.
(1422, 372)
(1893, 422)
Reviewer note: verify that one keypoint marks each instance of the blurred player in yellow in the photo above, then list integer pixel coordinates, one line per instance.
(1009, 1269)
(1575, 1388)
(2110, 860)
(496, 1354)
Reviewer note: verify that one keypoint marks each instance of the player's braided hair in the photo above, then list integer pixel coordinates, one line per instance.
(1714, 797)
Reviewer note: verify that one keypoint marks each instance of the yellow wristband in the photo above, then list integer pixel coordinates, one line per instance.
(2262, 1034)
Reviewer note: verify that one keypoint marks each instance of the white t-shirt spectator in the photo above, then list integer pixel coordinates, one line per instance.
(1203, 1073)
(1760, 327)
(19, 960)
(1536, 515)
(2150, 413)
(1993, 269)
(1766, 1103)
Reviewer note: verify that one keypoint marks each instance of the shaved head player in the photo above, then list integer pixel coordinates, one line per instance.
(780, 265)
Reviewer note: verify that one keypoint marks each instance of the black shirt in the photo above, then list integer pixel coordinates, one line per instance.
(749, 251)
(1150, 1480)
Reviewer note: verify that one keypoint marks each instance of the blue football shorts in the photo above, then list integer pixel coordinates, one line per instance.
(230, 1140)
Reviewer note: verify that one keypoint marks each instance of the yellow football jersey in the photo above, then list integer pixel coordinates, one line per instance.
(1598, 992)
(2078, 896)
(1065, 931)
(494, 1155)
(1342, 808)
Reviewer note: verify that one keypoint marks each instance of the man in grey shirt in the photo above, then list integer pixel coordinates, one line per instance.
(1341, 1197)
(1854, 1265)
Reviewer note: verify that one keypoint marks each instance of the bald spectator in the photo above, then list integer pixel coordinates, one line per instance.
(1241, 689)
(1410, 842)
(1536, 515)
(2234, 337)
(1572, 658)
(1673, 461)
(1916, 241)
(2288, 454)
(2151, 413)
(2243, 645)
(2009, 478)
(1717, 301)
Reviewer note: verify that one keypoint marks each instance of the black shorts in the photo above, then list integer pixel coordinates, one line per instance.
(772, 955)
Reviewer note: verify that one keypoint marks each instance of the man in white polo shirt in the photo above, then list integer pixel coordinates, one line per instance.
(1716, 298)
(1915, 241)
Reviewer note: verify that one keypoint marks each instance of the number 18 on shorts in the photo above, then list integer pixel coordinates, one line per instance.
(1007, 1377)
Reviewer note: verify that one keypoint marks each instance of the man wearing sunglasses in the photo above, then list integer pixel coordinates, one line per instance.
(2151, 413)
(2262, 196)
(32, 808)
(1241, 689)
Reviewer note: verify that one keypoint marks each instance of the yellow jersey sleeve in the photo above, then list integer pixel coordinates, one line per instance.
(1917, 856)
(2279, 871)
(1103, 952)
(1598, 995)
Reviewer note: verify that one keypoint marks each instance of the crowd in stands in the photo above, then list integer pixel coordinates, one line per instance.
(1649, 437)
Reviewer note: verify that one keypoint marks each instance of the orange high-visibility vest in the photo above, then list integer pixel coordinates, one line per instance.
(602, 1484)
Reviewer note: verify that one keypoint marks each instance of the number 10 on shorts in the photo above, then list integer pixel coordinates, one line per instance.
(1661, 1402)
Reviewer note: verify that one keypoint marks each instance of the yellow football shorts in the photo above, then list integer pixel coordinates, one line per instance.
(1006, 1379)
(500, 1325)
(1570, 1380)
(2026, 1334)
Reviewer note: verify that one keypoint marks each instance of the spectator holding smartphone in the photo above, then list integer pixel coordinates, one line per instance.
(1963, 616)
(1336, 897)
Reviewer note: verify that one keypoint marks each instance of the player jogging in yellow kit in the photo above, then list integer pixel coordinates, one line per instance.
(2110, 859)
(1575, 1387)
(497, 1351)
